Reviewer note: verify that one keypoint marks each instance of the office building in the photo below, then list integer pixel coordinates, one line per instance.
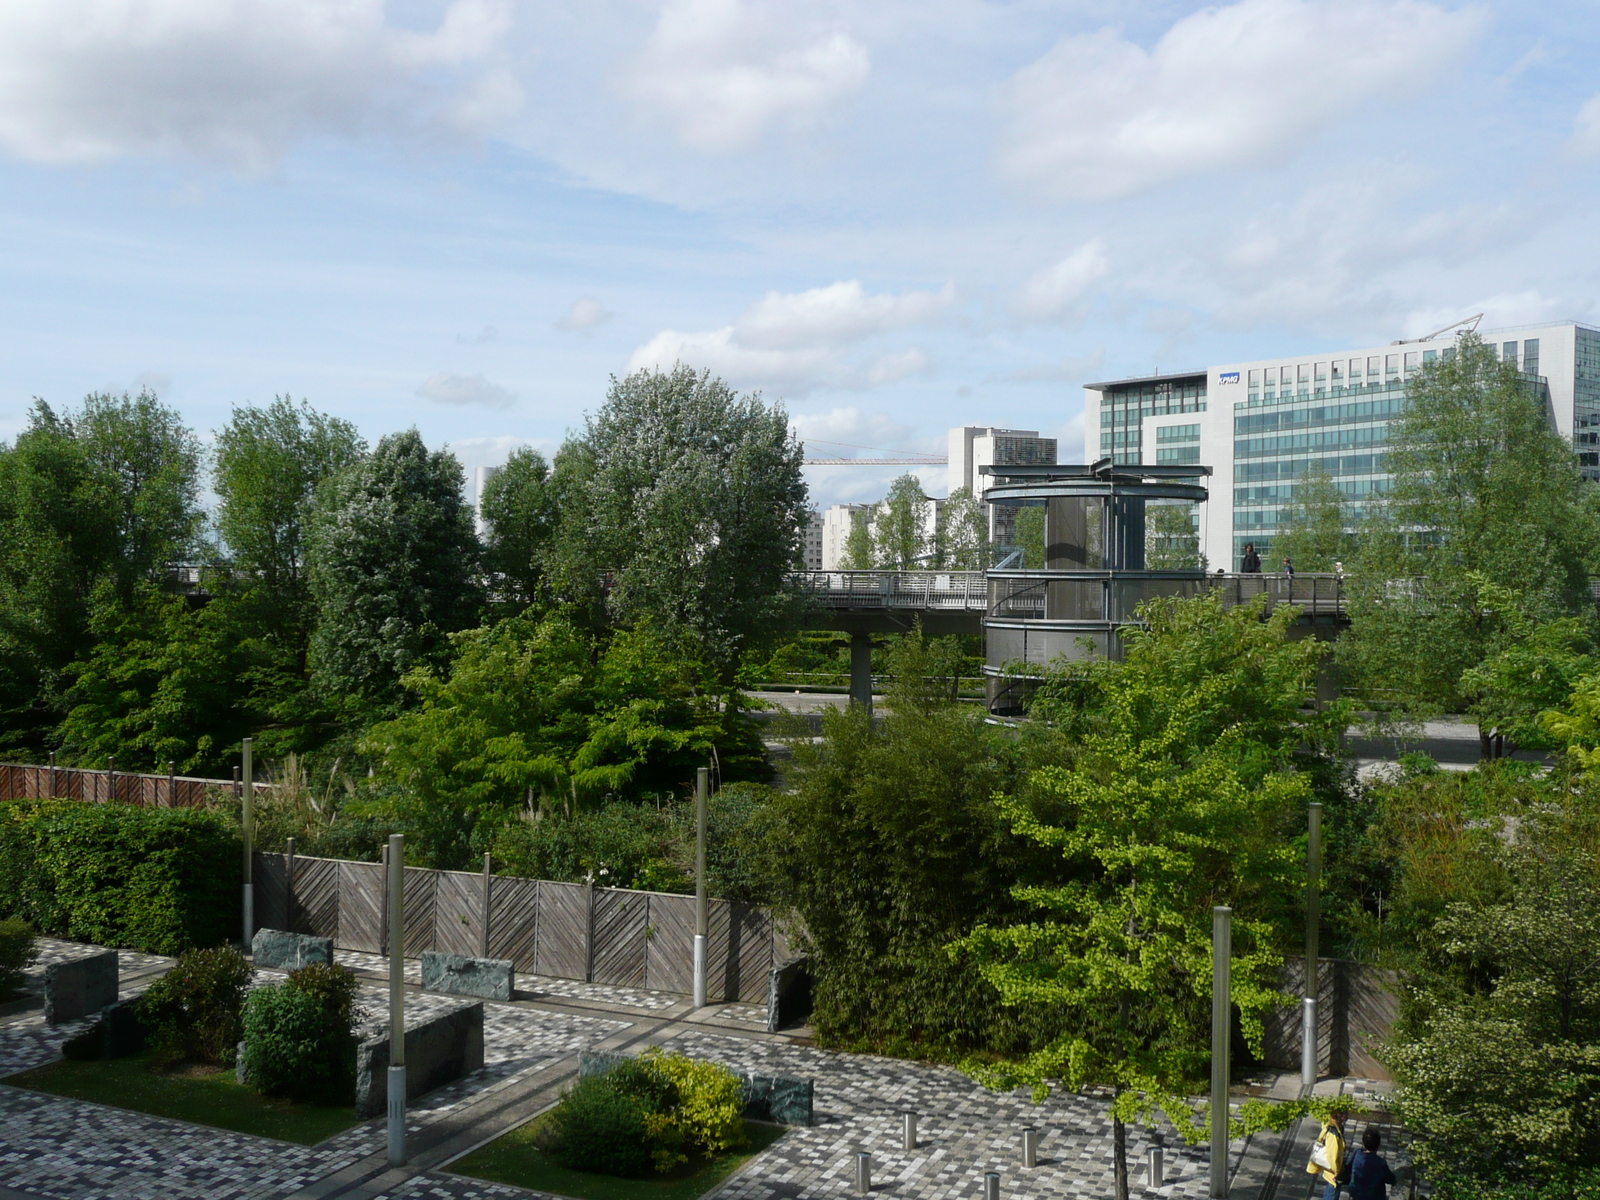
(1263, 425)
(811, 551)
(975, 446)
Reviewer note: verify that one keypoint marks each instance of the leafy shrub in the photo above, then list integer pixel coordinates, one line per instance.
(597, 1128)
(157, 879)
(707, 1117)
(299, 1035)
(17, 950)
(658, 1109)
(633, 844)
(194, 1011)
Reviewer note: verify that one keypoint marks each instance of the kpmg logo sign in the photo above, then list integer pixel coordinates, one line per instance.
(1228, 377)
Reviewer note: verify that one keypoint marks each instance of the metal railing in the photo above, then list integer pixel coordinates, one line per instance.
(961, 591)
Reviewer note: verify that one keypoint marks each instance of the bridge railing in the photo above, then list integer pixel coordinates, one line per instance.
(957, 590)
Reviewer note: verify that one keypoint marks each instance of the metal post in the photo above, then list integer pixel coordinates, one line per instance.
(1221, 1028)
(488, 883)
(1155, 1167)
(1308, 1044)
(52, 774)
(702, 788)
(991, 1185)
(172, 783)
(1313, 895)
(863, 1173)
(111, 780)
(861, 670)
(248, 832)
(288, 884)
(397, 998)
(908, 1131)
(1030, 1147)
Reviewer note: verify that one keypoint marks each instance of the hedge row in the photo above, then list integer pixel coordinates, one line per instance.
(161, 880)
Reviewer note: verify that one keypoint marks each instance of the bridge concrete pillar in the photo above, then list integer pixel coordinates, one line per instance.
(861, 670)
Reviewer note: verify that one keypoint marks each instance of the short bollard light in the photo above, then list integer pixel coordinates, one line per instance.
(863, 1173)
(991, 1186)
(1156, 1171)
(1030, 1147)
(908, 1131)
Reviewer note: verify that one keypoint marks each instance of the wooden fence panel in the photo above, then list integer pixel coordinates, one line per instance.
(669, 959)
(563, 949)
(458, 913)
(718, 960)
(271, 891)
(754, 941)
(360, 907)
(514, 922)
(621, 924)
(420, 885)
(316, 897)
(25, 782)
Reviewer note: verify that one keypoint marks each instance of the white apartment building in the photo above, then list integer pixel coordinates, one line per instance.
(974, 446)
(837, 523)
(1263, 425)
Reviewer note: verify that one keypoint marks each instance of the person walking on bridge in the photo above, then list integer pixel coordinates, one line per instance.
(1251, 565)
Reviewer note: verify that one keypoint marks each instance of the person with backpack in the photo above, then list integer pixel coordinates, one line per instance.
(1367, 1174)
(1251, 563)
(1327, 1155)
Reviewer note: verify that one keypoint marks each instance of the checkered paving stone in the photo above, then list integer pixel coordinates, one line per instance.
(456, 1187)
(747, 1014)
(533, 985)
(52, 952)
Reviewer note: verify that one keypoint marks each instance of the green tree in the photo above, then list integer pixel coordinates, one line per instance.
(963, 534)
(1521, 975)
(1171, 539)
(522, 509)
(103, 496)
(538, 715)
(1311, 530)
(692, 499)
(900, 533)
(391, 558)
(1188, 782)
(858, 546)
(269, 463)
(1483, 487)
(1029, 534)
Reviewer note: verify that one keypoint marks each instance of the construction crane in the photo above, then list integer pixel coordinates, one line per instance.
(901, 458)
(1471, 324)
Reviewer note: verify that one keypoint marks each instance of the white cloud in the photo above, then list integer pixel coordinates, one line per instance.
(1586, 128)
(796, 342)
(725, 71)
(1099, 116)
(838, 313)
(1059, 291)
(445, 388)
(584, 315)
(1530, 307)
(238, 81)
(851, 426)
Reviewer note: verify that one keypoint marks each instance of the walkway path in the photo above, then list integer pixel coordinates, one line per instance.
(60, 1149)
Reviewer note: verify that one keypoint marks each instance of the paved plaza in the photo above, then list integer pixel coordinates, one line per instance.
(68, 1150)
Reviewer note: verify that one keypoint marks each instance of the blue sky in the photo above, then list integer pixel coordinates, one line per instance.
(896, 217)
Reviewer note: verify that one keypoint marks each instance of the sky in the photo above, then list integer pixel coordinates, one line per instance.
(894, 217)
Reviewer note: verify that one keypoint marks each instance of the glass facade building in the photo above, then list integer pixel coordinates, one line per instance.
(1265, 426)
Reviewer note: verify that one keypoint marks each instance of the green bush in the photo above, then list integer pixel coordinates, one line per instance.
(17, 950)
(597, 1128)
(300, 1035)
(194, 1011)
(635, 845)
(659, 1109)
(157, 879)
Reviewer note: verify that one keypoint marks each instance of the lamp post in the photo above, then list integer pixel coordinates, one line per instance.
(1308, 1032)
(702, 786)
(247, 828)
(397, 1000)
(1221, 1028)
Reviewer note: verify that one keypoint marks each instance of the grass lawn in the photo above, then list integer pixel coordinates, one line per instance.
(206, 1096)
(514, 1159)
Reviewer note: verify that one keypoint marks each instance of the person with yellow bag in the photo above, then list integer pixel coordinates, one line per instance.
(1327, 1155)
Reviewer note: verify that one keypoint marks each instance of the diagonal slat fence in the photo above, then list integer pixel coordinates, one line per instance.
(612, 936)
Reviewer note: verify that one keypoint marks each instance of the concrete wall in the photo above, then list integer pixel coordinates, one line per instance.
(439, 1050)
(79, 988)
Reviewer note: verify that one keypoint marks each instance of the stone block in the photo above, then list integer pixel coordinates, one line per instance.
(289, 951)
(458, 975)
(780, 1098)
(439, 1050)
(789, 994)
(80, 988)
